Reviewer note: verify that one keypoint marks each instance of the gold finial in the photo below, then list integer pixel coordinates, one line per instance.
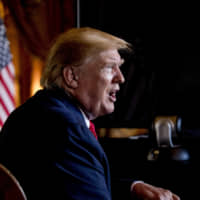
(1, 10)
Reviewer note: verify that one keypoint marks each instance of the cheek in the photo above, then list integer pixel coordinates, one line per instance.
(105, 82)
(107, 74)
(108, 77)
(100, 86)
(104, 91)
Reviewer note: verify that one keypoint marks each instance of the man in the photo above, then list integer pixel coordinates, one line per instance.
(47, 143)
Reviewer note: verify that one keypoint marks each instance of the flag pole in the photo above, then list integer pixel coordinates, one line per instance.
(78, 13)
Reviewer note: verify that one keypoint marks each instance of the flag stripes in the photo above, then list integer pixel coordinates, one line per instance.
(7, 92)
(7, 73)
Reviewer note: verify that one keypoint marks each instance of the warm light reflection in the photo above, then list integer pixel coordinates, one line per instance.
(1, 10)
(36, 74)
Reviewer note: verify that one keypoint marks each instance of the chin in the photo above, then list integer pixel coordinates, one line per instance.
(110, 109)
(105, 109)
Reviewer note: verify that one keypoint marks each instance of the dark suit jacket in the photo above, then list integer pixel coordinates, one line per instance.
(47, 146)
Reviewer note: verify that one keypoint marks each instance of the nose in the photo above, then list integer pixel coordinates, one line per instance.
(119, 77)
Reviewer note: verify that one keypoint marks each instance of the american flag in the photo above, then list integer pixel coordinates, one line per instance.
(7, 91)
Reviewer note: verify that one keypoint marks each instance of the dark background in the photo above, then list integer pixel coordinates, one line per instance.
(169, 82)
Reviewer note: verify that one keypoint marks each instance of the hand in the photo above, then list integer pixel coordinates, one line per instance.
(149, 192)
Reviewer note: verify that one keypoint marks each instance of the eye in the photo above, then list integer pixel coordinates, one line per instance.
(109, 66)
(113, 67)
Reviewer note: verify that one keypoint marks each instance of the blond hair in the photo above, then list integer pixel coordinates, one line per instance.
(73, 47)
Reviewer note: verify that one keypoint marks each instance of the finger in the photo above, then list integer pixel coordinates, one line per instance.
(165, 194)
(175, 197)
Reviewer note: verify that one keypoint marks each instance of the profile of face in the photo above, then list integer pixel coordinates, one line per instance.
(98, 82)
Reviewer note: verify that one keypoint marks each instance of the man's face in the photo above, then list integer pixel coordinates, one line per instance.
(98, 83)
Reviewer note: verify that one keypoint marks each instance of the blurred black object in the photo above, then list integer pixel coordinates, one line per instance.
(165, 158)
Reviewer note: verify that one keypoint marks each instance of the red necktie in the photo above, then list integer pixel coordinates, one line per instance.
(92, 129)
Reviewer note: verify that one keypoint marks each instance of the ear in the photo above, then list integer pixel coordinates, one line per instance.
(71, 79)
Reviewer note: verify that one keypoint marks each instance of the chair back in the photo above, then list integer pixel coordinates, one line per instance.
(10, 189)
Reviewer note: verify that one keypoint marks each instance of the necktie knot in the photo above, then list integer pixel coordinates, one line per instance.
(92, 129)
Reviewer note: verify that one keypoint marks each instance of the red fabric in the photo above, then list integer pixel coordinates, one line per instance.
(40, 22)
(92, 129)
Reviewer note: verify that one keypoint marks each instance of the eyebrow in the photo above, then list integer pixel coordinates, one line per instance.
(114, 63)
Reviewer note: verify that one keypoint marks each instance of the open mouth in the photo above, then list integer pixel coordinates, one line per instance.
(112, 96)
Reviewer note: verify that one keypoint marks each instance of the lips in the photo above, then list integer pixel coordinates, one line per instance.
(112, 95)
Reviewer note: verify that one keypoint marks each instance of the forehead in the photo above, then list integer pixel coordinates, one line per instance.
(104, 57)
(110, 56)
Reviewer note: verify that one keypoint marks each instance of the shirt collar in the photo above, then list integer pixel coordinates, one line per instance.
(87, 121)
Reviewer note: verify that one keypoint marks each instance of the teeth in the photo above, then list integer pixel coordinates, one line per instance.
(112, 94)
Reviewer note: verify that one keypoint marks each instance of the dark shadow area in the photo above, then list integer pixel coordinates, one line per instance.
(130, 160)
(169, 82)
